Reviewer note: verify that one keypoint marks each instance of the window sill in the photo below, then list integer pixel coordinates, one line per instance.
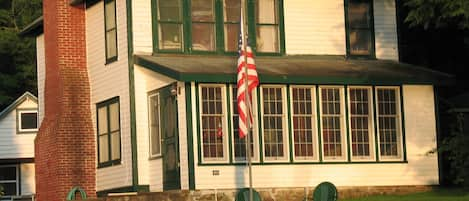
(155, 157)
(29, 132)
(109, 164)
(110, 60)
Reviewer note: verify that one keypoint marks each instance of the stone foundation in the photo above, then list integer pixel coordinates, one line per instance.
(271, 194)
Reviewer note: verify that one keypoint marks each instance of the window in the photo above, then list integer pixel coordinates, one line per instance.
(213, 122)
(389, 123)
(154, 124)
(274, 126)
(27, 121)
(332, 123)
(303, 122)
(9, 177)
(109, 142)
(361, 123)
(360, 28)
(239, 144)
(111, 30)
(214, 26)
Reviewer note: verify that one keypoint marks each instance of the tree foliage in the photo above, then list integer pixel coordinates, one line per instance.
(438, 13)
(17, 54)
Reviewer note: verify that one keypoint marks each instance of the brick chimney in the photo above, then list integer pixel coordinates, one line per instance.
(65, 153)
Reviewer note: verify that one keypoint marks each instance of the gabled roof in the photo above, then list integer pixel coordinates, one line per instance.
(17, 102)
(293, 70)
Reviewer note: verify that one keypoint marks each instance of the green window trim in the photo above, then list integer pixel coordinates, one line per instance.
(106, 104)
(347, 158)
(372, 45)
(219, 26)
(110, 27)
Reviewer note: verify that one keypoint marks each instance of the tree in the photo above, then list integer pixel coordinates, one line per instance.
(438, 13)
(17, 55)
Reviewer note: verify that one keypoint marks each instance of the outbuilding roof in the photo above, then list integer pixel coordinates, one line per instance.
(17, 102)
(293, 69)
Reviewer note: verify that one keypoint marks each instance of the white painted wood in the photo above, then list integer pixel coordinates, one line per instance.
(41, 74)
(386, 41)
(28, 181)
(315, 27)
(13, 144)
(108, 81)
(421, 168)
(142, 26)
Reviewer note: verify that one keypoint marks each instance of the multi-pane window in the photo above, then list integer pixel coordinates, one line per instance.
(213, 122)
(214, 26)
(389, 126)
(267, 24)
(9, 178)
(361, 122)
(303, 123)
(111, 30)
(154, 124)
(27, 121)
(332, 123)
(239, 144)
(274, 124)
(360, 27)
(109, 142)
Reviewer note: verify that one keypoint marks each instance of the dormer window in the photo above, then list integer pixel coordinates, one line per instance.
(210, 26)
(27, 121)
(360, 33)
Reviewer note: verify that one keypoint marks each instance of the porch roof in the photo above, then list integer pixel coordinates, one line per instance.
(293, 70)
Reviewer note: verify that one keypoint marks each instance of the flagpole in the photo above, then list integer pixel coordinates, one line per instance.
(246, 96)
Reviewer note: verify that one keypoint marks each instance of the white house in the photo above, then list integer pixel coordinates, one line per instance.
(334, 102)
(18, 127)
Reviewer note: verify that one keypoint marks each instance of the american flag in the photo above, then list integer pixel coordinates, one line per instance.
(253, 81)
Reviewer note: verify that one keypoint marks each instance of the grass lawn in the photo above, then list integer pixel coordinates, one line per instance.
(436, 195)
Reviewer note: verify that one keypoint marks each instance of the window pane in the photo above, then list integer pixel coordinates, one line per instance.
(110, 15)
(111, 43)
(102, 120)
(9, 188)
(7, 173)
(115, 145)
(154, 108)
(388, 123)
(358, 14)
(170, 36)
(232, 10)
(203, 37)
(169, 10)
(273, 122)
(212, 123)
(202, 10)
(266, 12)
(303, 132)
(359, 121)
(331, 122)
(231, 37)
(359, 22)
(114, 116)
(360, 41)
(29, 120)
(267, 38)
(103, 148)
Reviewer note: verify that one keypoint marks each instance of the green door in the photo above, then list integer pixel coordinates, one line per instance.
(171, 172)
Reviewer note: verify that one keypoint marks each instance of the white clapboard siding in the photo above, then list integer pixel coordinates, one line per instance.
(314, 27)
(142, 26)
(385, 29)
(12, 144)
(151, 170)
(28, 182)
(421, 169)
(41, 76)
(108, 81)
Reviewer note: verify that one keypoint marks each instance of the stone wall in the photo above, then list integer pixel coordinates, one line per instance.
(274, 194)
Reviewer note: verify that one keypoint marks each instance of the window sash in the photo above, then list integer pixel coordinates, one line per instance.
(211, 120)
(301, 141)
(109, 140)
(361, 123)
(277, 147)
(360, 28)
(110, 26)
(154, 124)
(239, 145)
(389, 124)
(335, 133)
